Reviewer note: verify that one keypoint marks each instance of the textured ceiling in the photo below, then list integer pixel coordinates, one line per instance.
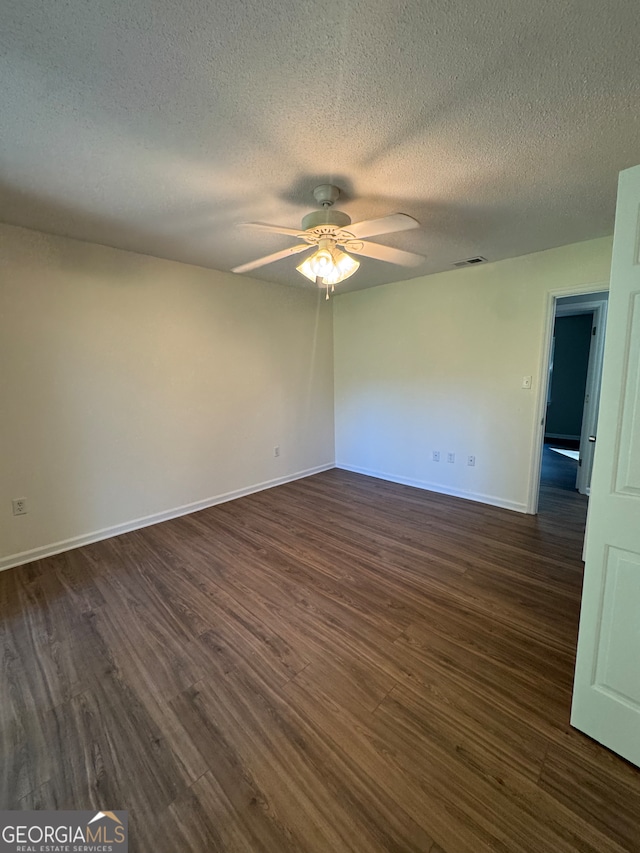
(158, 125)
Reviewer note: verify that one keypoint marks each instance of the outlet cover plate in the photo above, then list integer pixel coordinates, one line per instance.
(19, 506)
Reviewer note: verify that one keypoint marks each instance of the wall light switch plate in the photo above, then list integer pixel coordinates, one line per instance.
(526, 382)
(436, 456)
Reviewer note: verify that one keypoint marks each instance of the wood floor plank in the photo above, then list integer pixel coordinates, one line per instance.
(476, 633)
(424, 771)
(280, 753)
(513, 807)
(350, 732)
(349, 682)
(340, 663)
(540, 698)
(462, 714)
(200, 820)
(606, 799)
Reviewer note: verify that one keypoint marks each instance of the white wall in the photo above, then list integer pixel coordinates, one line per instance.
(436, 363)
(133, 387)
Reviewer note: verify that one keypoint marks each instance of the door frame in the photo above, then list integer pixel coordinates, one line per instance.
(535, 467)
(592, 396)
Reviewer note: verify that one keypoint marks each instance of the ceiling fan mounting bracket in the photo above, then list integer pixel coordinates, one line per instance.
(326, 195)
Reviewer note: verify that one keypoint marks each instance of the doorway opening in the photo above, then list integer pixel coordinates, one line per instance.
(563, 460)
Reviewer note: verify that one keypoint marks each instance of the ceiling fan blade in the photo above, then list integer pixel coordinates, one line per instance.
(385, 253)
(385, 225)
(274, 229)
(269, 259)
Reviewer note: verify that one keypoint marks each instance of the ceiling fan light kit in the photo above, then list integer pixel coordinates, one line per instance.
(329, 264)
(331, 232)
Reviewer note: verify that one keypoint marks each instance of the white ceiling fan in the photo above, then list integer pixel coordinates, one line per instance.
(333, 235)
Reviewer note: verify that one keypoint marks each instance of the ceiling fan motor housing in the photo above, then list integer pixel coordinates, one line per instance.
(335, 218)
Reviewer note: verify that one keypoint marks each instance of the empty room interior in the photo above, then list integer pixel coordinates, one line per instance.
(293, 519)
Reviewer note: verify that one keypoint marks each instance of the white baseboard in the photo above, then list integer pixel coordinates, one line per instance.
(437, 487)
(137, 523)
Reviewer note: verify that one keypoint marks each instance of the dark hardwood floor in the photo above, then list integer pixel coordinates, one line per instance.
(338, 664)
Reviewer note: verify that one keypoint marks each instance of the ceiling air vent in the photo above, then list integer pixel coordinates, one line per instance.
(471, 262)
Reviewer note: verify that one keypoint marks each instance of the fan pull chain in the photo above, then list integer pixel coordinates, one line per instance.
(320, 283)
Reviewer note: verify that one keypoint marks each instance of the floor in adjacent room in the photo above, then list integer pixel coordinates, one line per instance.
(337, 664)
(558, 476)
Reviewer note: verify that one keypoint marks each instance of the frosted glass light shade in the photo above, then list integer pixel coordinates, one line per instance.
(331, 266)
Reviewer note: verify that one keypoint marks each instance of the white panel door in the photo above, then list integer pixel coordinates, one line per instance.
(606, 697)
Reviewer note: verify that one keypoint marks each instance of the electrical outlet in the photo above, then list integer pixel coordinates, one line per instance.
(276, 450)
(436, 456)
(451, 457)
(19, 506)
(471, 460)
